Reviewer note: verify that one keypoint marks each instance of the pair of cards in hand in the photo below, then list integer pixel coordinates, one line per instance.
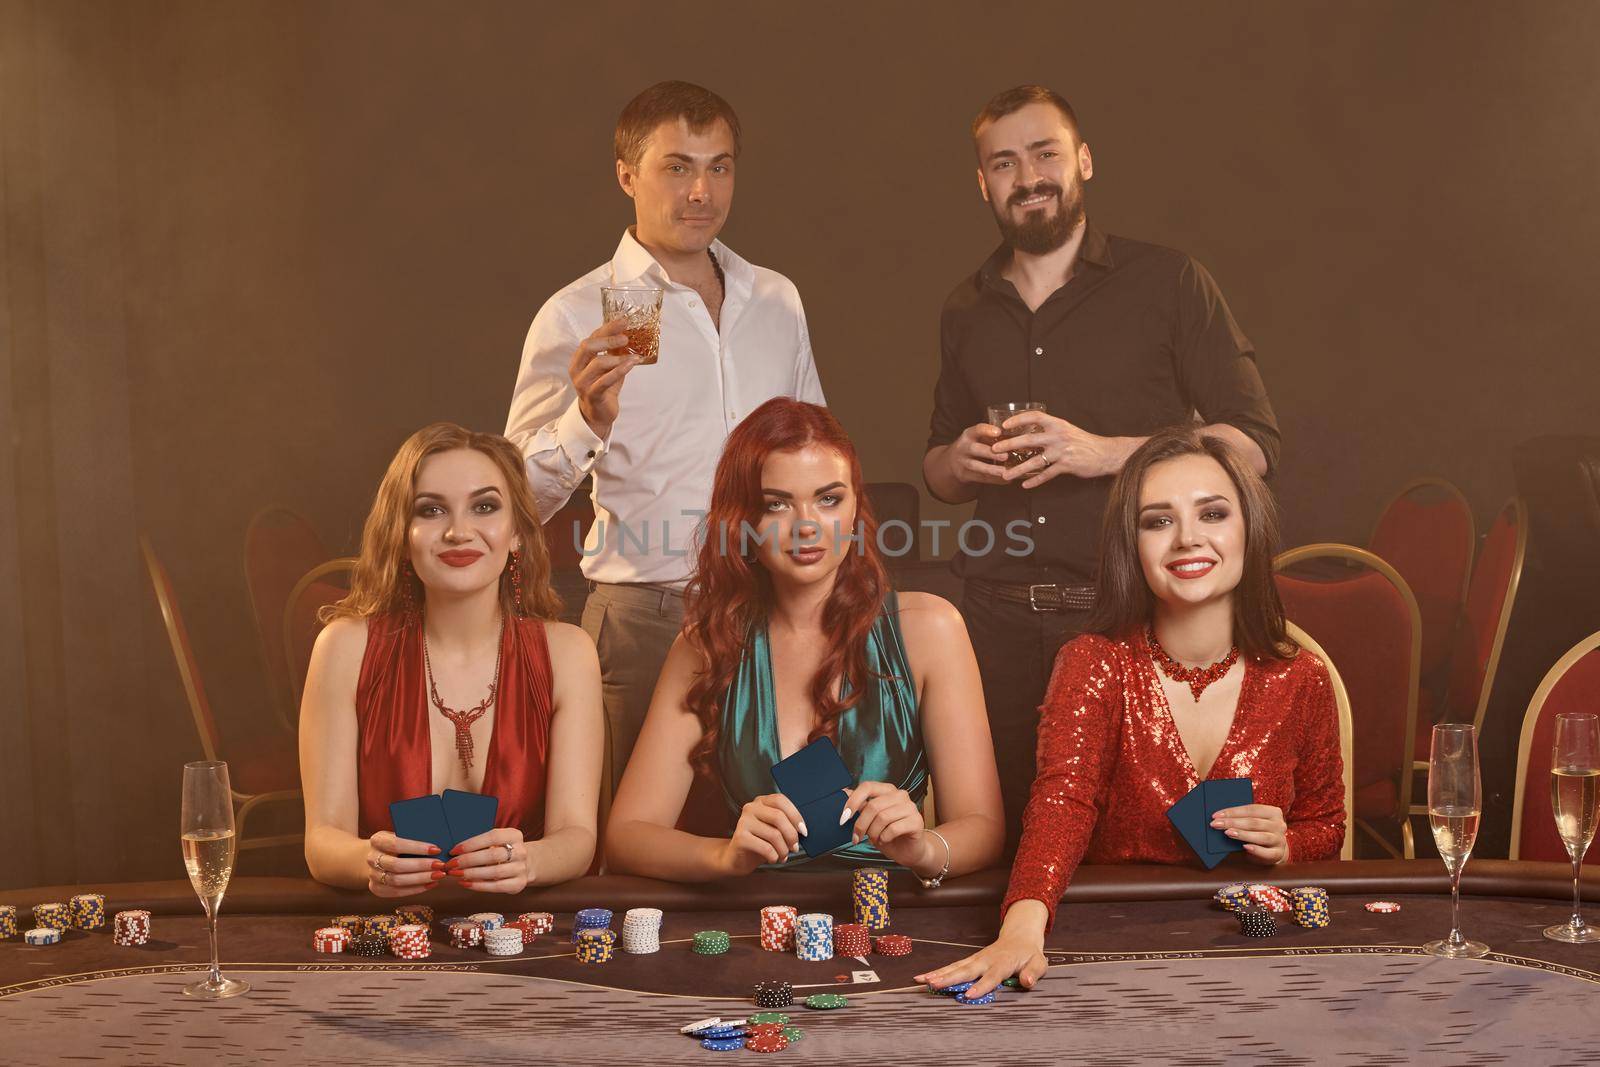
(815, 780)
(444, 820)
(1192, 816)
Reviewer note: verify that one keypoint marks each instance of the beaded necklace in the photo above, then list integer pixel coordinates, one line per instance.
(1196, 678)
(463, 720)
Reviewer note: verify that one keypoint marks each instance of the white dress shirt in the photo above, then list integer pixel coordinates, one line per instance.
(652, 477)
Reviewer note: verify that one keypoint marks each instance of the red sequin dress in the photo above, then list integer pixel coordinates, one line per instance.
(1111, 763)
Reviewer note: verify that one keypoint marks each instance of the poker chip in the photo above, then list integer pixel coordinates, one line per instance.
(414, 915)
(1310, 907)
(813, 937)
(541, 922)
(489, 920)
(1383, 907)
(774, 994)
(331, 939)
(409, 941)
(129, 928)
(590, 919)
(368, 945)
(464, 933)
(596, 946)
(711, 942)
(950, 990)
(696, 1027)
(768, 1018)
(826, 1001)
(793, 1034)
(379, 925)
(777, 928)
(1268, 897)
(851, 939)
(1014, 983)
(87, 911)
(723, 1044)
(502, 941)
(892, 945)
(772, 1042)
(353, 923)
(869, 898)
(52, 915)
(523, 930)
(1257, 922)
(641, 931)
(8, 920)
(43, 935)
(987, 998)
(725, 1032)
(1233, 897)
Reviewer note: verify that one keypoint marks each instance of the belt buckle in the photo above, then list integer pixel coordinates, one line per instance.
(1033, 597)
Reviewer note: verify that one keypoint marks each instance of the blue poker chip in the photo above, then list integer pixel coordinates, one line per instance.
(723, 1033)
(723, 1044)
(962, 998)
(950, 990)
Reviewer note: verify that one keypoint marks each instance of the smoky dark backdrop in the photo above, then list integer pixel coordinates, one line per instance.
(248, 247)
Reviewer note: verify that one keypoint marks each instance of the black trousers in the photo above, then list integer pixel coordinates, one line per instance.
(1016, 649)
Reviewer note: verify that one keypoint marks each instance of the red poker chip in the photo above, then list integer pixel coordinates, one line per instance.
(892, 945)
(1383, 907)
(775, 1043)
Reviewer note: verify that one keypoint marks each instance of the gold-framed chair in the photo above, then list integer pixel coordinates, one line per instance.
(1341, 699)
(263, 775)
(1572, 684)
(300, 625)
(1361, 612)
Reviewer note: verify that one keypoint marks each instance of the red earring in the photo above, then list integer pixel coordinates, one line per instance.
(514, 564)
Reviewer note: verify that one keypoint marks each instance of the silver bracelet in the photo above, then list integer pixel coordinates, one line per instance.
(938, 879)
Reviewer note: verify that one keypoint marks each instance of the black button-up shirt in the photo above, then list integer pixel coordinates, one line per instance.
(1138, 339)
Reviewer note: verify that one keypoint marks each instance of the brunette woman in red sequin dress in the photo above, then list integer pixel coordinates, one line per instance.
(445, 668)
(1187, 674)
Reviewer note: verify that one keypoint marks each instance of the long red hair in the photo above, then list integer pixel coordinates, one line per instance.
(730, 594)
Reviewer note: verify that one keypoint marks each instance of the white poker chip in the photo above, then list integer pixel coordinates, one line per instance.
(703, 1024)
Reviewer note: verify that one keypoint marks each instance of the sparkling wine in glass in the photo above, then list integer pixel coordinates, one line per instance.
(1455, 803)
(208, 849)
(1575, 798)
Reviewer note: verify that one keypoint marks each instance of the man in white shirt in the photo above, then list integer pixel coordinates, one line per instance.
(733, 335)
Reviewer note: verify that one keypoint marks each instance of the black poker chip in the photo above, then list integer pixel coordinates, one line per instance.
(1257, 922)
(774, 994)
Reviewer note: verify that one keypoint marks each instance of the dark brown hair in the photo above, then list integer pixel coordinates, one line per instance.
(664, 102)
(1002, 104)
(1124, 601)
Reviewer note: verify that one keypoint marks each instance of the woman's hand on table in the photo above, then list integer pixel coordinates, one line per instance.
(492, 862)
(395, 868)
(1019, 951)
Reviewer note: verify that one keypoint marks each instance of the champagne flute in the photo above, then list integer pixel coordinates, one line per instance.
(1575, 797)
(208, 847)
(1455, 801)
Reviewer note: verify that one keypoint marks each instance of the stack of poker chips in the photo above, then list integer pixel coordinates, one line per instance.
(540, 922)
(851, 939)
(1234, 897)
(827, 1001)
(641, 931)
(409, 941)
(352, 923)
(1268, 897)
(415, 914)
(8, 920)
(721, 1037)
(767, 1037)
(130, 928)
(379, 926)
(51, 915)
(489, 920)
(1256, 921)
(892, 945)
(775, 994)
(331, 939)
(813, 936)
(87, 911)
(777, 928)
(590, 919)
(987, 998)
(869, 897)
(464, 933)
(1309, 905)
(597, 946)
(502, 941)
(711, 942)
(524, 931)
(368, 945)
(43, 935)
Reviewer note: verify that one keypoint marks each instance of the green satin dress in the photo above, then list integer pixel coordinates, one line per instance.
(879, 739)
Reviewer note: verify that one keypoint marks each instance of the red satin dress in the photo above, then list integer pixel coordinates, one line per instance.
(394, 751)
(1111, 763)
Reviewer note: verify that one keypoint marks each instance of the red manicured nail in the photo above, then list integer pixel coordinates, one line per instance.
(436, 875)
(454, 864)
(433, 850)
(465, 882)
(454, 852)
(455, 872)
(439, 866)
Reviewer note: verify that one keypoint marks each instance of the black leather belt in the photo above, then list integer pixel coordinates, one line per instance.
(1039, 597)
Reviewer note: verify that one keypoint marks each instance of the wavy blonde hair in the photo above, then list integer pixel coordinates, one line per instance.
(379, 583)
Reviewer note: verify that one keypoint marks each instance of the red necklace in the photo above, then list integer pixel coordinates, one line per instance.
(1197, 678)
(464, 719)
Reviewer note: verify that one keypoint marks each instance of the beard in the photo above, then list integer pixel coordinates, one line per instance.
(1041, 230)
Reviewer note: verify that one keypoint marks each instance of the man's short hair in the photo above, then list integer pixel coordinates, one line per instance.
(1002, 104)
(664, 102)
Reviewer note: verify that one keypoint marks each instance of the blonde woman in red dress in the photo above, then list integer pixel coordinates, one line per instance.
(1187, 674)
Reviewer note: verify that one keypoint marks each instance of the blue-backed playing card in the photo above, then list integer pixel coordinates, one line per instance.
(422, 819)
(468, 814)
(815, 779)
(1224, 793)
(1188, 815)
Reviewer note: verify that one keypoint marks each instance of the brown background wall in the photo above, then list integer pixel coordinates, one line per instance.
(248, 247)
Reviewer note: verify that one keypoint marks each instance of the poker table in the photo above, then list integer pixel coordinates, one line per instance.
(1145, 968)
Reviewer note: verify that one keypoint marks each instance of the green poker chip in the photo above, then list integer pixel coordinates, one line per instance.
(1012, 983)
(793, 1034)
(768, 1017)
(711, 942)
(826, 1001)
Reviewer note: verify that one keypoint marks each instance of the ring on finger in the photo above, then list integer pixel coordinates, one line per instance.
(383, 879)
(510, 852)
